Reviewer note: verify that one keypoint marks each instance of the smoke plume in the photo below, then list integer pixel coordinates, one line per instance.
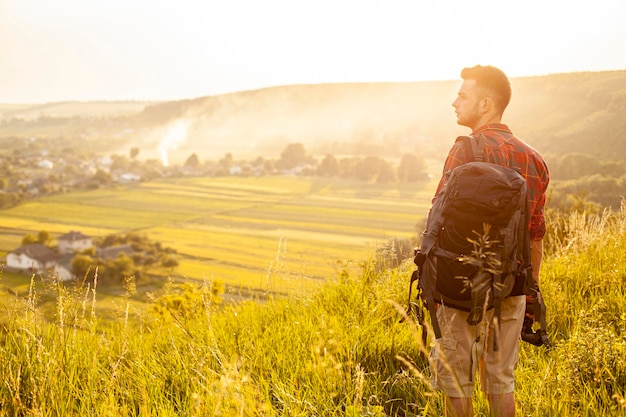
(175, 136)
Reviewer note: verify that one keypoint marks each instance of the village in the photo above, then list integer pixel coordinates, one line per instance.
(35, 168)
(74, 256)
(39, 258)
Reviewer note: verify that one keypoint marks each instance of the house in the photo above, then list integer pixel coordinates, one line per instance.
(63, 268)
(45, 164)
(32, 258)
(128, 178)
(74, 242)
(38, 258)
(112, 252)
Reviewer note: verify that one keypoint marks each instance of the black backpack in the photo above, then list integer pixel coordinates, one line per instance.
(476, 245)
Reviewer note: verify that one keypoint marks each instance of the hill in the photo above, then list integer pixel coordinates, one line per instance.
(69, 109)
(579, 112)
(556, 114)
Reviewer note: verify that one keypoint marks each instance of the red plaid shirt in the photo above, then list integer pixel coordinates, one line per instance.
(504, 148)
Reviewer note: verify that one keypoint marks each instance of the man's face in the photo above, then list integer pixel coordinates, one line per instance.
(467, 104)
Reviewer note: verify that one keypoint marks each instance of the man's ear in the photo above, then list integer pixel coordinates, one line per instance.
(485, 105)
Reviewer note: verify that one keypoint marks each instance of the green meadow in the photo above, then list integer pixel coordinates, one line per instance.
(272, 233)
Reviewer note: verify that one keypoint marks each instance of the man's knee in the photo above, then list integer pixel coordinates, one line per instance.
(459, 407)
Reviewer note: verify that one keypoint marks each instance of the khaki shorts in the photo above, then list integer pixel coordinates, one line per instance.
(464, 349)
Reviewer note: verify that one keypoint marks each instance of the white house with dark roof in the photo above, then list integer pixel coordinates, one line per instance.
(74, 242)
(32, 258)
(38, 258)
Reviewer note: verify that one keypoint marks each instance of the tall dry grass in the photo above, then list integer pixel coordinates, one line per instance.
(336, 351)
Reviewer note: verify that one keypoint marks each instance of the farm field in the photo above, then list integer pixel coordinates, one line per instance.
(272, 233)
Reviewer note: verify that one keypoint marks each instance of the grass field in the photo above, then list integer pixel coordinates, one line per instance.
(270, 233)
(340, 350)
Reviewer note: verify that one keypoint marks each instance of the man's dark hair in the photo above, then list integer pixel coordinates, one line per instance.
(493, 80)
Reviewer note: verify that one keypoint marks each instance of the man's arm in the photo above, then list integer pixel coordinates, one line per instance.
(536, 255)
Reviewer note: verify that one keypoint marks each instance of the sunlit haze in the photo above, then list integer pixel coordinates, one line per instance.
(166, 50)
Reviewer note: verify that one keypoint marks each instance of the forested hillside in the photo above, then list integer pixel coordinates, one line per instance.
(567, 113)
(555, 113)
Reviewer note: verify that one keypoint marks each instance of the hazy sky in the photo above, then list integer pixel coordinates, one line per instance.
(164, 50)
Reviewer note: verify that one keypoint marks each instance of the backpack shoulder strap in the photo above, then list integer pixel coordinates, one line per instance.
(474, 148)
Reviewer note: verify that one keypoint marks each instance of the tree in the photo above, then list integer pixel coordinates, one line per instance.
(81, 265)
(612, 168)
(119, 162)
(575, 165)
(347, 167)
(258, 162)
(192, 161)
(293, 155)
(112, 240)
(29, 240)
(134, 151)
(411, 168)
(116, 270)
(9, 199)
(269, 167)
(148, 260)
(169, 262)
(71, 171)
(43, 237)
(102, 177)
(121, 267)
(369, 168)
(386, 173)
(329, 167)
(227, 161)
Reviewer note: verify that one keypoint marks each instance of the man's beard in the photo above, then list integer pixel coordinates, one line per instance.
(467, 121)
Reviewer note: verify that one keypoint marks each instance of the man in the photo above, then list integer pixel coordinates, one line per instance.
(484, 95)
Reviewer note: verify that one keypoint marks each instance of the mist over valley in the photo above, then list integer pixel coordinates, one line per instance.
(555, 114)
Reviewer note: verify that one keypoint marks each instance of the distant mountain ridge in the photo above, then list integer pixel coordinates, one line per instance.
(559, 113)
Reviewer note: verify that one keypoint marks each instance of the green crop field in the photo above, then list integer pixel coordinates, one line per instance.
(270, 233)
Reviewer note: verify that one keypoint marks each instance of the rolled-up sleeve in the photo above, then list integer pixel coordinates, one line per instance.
(538, 185)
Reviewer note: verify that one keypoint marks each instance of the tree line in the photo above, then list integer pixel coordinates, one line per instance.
(577, 178)
(22, 176)
(583, 182)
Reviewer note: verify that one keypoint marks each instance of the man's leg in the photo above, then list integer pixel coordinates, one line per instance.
(502, 405)
(459, 407)
(498, 368)
(454, 359)
(451, 359)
